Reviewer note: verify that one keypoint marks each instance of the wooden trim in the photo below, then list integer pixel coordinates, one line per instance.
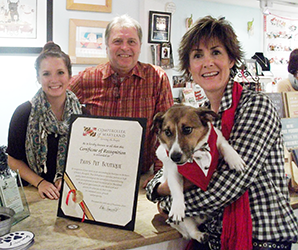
(70, 5)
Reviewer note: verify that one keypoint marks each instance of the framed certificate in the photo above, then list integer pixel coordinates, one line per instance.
(102, 172)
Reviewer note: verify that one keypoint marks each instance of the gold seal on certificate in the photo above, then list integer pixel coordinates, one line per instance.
(102, 170)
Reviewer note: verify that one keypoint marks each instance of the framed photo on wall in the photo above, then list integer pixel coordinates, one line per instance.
(90, 5)
(87, 41)
(159, 27)
(25, 26)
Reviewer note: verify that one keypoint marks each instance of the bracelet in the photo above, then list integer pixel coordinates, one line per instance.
(39, 183)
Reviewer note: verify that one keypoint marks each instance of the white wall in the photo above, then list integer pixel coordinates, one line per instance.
(18, 81)
(237, 15)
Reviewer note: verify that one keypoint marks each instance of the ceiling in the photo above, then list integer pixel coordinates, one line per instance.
(249, 3)
(256, 3)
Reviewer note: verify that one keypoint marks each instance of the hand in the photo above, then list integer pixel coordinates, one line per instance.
(187, 184)
(48, 190)
(161, 212)
(147, 180)
(58, 184)
(164, 190)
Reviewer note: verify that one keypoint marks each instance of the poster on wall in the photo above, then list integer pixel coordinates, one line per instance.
(281, 37)
(90, 42)
(18, 19)
(87, 41)
(102, 171)
(25, 25)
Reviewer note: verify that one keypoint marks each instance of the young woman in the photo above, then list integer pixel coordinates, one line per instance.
(249, 210)
(38, 129)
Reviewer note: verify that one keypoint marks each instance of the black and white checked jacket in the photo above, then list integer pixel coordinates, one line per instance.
(257, 137)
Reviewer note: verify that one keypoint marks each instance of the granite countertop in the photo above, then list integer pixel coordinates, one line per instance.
(51, 232)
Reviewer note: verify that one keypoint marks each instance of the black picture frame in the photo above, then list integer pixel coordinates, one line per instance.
(49, 35)
(159, 27)
(103, 208)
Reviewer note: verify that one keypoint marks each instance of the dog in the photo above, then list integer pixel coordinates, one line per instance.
(13, 9)
(183, 133)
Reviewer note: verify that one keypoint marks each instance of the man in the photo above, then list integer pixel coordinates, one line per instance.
(125, 87)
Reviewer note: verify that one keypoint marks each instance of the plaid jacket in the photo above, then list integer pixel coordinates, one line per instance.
(256, 136)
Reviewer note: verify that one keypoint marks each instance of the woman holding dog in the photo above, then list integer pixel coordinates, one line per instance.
(249, 210)
(38, 129)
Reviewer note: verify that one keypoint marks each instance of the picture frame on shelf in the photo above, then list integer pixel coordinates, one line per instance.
(166, 54)
(87, 41)
(179, 81)
(30, 26)
(159, 27)
(251, 66)
(90, 5)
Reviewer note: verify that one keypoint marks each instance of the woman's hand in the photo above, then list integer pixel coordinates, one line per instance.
(161, 211)
(147, 180)
(45, 188)
(48, 190)
(164, 190)
(58, 184)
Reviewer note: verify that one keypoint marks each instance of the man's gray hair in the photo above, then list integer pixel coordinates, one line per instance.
(123, 21)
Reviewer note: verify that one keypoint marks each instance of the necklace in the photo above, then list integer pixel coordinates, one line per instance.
(263, 61)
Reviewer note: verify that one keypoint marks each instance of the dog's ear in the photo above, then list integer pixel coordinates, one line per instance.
(157, 121)
(206, 115)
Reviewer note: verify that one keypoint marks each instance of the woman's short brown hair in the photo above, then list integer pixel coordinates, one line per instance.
(293, 62)
(206, 29)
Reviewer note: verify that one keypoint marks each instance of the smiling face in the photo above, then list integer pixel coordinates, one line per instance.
(54, 77)
(210, 65)
(123, 49)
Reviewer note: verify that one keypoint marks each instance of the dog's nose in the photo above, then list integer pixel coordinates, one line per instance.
(176, 157)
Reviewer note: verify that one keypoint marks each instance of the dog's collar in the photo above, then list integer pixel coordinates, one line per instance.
(204, 147)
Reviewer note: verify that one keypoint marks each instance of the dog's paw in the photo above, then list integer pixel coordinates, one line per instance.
(235, 161)
(177, 213)
(161, 153)
(201, 237)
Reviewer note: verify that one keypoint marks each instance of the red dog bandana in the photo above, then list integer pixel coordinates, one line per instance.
(199, 174)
